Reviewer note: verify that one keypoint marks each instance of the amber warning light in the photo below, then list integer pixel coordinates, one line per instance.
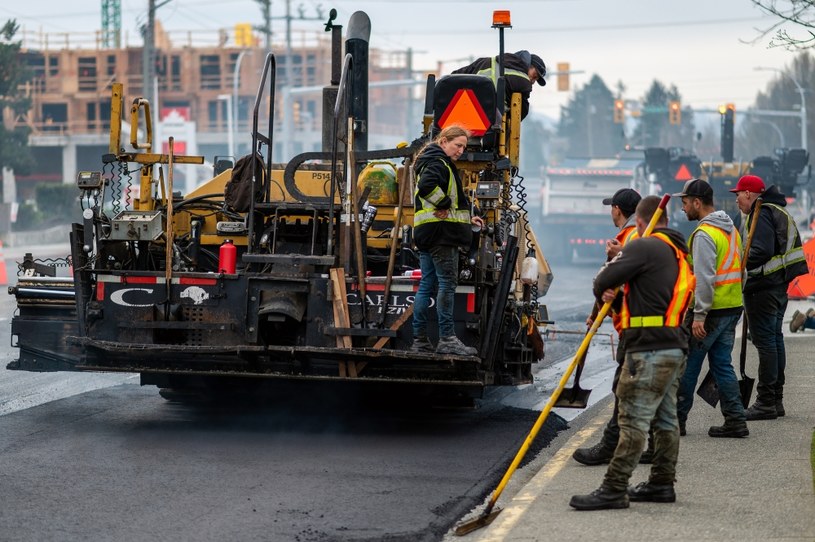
(500, 18)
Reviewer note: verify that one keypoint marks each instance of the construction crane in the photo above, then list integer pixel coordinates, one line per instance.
(112, 23)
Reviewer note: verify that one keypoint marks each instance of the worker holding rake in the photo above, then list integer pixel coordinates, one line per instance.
(657, 284)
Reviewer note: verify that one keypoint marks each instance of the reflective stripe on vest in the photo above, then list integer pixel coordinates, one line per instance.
(624, 236)
(454, 214)
(727, 286)
(627, 234)
(492, 72)
(793, 251)
(683, 288)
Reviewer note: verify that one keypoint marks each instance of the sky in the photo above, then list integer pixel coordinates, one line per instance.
(701, 46)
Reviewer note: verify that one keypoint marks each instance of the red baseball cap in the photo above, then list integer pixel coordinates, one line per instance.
(751, 183)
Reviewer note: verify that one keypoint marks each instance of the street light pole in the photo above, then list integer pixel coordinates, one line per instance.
(235, 112)
(230, 140)
(803, 102)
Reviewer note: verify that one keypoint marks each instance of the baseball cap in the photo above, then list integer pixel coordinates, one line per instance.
(751, 183)
(537, 63)
(624, 198)
(697, 188)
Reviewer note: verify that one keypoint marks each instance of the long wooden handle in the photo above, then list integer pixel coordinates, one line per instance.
(744, 323)
(565, 378)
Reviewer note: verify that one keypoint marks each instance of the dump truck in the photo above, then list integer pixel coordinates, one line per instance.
(572, 218)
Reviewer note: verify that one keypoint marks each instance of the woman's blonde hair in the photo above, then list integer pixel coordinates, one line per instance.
(448, 134)
(452, 132)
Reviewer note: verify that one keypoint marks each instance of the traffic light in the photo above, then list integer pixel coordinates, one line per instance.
(728, 107)
(619, 112)
(563, 76)
(243, 35)
(728, 116)
(674, 112)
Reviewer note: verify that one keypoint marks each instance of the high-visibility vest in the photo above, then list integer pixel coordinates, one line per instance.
(492, 72)
(627, 234)
(424, 215)
(683, 288)
(792, 260)
(727, 286)
(624, 236)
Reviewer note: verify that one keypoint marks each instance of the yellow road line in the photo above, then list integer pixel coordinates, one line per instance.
(519, 504)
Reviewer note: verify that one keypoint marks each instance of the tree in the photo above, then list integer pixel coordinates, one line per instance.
(759, 135)
(797, 12)
(586, 122)
(654, 129)
(14, 150)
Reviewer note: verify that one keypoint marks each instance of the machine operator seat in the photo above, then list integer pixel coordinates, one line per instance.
(468, 101)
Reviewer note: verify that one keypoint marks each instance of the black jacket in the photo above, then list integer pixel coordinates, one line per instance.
(770, 239)
(432, 172)
(513, 83)
(649, 267)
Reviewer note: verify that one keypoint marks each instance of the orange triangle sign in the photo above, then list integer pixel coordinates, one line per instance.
(465, 110)
(683, 173)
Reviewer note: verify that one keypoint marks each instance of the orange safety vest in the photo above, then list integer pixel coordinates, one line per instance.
(624, 236)
(683, 288)
(627, 234)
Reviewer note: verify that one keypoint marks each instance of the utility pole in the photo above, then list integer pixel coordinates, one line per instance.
(148, 53)
(266, 29)
(288, 81)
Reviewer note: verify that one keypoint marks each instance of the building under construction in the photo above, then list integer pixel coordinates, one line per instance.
(203, 89)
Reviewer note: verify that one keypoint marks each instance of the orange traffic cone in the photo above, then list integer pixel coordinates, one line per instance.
(3, 274)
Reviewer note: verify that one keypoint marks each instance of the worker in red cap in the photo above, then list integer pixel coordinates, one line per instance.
(775, 258)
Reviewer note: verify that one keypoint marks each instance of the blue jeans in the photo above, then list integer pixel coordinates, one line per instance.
(718, 346)
(765, 314)
(647, 391)
(439, 273)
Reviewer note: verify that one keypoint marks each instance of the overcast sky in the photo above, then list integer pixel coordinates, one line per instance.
(699, 45)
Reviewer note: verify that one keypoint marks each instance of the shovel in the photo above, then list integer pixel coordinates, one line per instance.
(575, 397)
(708, 390)
(746, 383)
(490, 512)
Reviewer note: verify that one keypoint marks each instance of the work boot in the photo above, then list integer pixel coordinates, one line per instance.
(599, 454)
(453, 345)
(600, 499)
(779, 408)
(797, 322)
(648, 492)
(730, 429)
(759, 411)
(422, 344)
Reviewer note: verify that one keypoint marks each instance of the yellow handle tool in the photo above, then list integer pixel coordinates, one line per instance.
(490, 513)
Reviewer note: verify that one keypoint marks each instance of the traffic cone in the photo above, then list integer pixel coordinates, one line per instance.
(3, 274)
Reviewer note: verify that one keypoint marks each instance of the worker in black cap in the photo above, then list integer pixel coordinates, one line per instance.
(623, 204)
(521, 69)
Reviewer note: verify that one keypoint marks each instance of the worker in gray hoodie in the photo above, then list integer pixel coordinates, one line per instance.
(716, 252)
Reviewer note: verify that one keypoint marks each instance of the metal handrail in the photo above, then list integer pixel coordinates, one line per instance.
(347, 66)
(269, 65)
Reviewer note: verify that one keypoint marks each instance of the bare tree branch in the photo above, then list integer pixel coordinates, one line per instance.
(797, 12)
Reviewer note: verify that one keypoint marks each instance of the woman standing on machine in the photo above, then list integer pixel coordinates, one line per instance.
(441, 224)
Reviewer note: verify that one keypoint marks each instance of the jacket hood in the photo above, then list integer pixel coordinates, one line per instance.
(720, 219)
(431, 152)
(773, 195)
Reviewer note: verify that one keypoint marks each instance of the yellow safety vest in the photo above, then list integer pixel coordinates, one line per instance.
(683, 288)
(492, 72)
(727, 287)
(424, 215)
(793, 251)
